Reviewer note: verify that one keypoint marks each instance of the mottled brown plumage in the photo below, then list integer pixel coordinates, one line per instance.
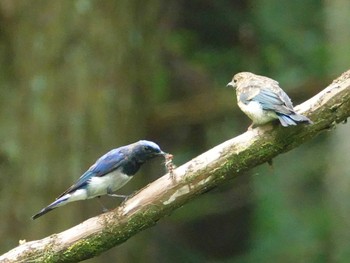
(262, 100)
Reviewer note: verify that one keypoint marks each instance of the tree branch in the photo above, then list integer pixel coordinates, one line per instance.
(160, 198)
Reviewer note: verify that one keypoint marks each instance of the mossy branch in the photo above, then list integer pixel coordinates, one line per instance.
(160, 198)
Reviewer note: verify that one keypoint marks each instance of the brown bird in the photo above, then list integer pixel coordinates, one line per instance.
(263, 101)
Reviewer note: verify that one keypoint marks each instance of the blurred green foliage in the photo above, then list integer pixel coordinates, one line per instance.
(81, 77)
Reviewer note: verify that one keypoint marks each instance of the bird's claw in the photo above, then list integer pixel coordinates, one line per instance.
(124, 201)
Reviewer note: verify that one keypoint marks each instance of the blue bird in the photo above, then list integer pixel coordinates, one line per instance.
(262, 99)
(108, 174)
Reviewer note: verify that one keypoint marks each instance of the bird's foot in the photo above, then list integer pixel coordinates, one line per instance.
(124, 201)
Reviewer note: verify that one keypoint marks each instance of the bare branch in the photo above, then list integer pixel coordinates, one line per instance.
(160, 198)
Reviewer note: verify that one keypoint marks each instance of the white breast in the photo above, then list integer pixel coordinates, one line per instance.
(255, 112)
(98, 185)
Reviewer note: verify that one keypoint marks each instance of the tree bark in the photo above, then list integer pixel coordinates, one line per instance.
(336, 177)
(157, 200)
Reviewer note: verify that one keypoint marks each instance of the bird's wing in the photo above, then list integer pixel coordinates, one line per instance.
(104, 165)
(276, 101)
(248, 93)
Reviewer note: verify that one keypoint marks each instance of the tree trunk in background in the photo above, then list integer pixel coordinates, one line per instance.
(338, 175)
(75, 76)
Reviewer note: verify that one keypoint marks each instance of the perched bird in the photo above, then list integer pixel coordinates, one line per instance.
(263, 100)
(109, 173)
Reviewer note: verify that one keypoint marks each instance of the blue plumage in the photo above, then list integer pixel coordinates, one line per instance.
(109, 173)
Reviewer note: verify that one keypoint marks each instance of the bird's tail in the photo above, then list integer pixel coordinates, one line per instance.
(293, 119)
(59, 202)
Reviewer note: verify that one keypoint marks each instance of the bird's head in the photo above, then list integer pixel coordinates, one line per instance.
(240, 77)
(145, 150)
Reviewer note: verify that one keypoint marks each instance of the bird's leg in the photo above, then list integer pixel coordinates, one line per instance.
(110, 193)
(124, 201)
(126, 197)
(104, 209)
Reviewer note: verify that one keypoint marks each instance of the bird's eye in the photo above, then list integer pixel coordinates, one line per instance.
(147, 148)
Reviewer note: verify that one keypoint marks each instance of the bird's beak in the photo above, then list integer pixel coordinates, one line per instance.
(231, 84)
(162, 153)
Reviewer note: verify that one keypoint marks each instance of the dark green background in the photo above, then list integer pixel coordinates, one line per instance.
(78, 78)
